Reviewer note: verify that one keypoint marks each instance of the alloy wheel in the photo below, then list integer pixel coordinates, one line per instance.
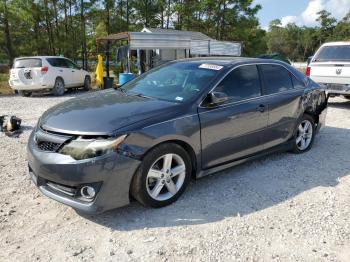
(166, 177)
(304, 135)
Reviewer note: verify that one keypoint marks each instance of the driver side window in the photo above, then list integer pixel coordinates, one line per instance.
(242, 83)
(70, 64)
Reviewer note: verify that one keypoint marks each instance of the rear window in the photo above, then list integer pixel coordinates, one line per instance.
(28, 62)
(333, 53)
(277, 79)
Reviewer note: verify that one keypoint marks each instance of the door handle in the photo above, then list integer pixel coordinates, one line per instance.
(261, 108)
(73, 71)
(61, 70)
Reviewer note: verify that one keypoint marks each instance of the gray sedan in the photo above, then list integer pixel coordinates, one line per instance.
(186, 119)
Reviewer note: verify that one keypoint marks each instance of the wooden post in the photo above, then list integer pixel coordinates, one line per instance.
(107, 58)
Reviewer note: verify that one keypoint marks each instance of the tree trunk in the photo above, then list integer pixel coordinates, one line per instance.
(49, 29)
(9, 46)
(83, 35)
(56, 24)
(127, 15)
(168, 14)
(146, 13)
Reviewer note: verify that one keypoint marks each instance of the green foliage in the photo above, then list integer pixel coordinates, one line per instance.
(298, 43)
(71, 27)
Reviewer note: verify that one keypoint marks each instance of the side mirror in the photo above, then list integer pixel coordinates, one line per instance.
(217, 98)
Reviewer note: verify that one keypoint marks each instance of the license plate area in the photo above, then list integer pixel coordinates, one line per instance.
(337, 87)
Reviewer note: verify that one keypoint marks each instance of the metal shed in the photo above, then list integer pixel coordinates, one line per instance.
(153, 46)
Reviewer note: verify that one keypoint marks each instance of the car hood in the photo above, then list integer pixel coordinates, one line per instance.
(102, 113)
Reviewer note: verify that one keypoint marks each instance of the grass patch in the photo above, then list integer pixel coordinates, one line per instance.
(4, 85)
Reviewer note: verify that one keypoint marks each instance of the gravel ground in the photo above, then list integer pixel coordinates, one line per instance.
(284, 207)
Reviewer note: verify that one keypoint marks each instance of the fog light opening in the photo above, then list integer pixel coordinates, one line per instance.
(87, 192)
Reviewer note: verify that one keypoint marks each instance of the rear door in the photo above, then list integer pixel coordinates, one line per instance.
(235, 129)
(283, 92)
(62, 69)
(26, 71)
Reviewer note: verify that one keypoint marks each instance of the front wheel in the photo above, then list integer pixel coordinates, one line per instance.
(304, 135)
(162, 177)
(87, 83)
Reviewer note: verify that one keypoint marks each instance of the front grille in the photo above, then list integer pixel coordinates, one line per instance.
(48, 146)
(49, 141)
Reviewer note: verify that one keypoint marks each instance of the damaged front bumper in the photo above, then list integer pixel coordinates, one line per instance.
(61, 178)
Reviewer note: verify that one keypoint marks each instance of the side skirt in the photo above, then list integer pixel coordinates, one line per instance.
(280, 148)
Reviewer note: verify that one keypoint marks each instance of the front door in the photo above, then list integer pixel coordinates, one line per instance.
(76, 73)
(235, 129)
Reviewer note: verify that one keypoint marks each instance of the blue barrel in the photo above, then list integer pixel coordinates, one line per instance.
(125, 77)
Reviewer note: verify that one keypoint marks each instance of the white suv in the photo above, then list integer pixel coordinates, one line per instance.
(47, 72)
(330, 67)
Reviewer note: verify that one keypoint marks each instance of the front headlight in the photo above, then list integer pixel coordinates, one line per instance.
(89, 148)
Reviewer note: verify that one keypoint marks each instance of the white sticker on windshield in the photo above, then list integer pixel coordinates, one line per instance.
(179, 98)
(211, 67)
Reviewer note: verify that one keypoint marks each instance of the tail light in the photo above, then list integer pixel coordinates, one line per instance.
(308, 71)
(44, 69)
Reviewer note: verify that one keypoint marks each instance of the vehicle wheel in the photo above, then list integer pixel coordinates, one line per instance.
(304, 135)
(87, 83)
(24, 93)
(162, 177)
(58, 89)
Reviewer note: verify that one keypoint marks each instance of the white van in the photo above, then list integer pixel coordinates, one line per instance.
(330, 67)
(47, 72)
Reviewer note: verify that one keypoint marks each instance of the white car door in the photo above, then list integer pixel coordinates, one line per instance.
(64, 71)
(77, 74)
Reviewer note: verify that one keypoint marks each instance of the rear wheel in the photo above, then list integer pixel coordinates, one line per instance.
(24, 93)
(162, 177)
(304, 135)
(58, 89)
(87, 83)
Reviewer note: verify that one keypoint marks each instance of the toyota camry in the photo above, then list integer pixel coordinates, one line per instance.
(184, 120)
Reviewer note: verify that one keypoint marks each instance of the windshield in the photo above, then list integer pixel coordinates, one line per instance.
(334, 53)
(28, 62)
(176, 82)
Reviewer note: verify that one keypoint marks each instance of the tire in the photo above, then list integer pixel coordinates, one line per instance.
(154, 183)
(58, 89)
(87, 83)
(24, 93)
(304, 134)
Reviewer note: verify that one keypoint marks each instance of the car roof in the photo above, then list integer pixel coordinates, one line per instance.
(38, 57)
(337, 43)
(231, 61)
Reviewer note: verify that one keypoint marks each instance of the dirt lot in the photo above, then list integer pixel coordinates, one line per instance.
(284, 207)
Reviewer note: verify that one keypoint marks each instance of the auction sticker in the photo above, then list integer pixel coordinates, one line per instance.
(211, 67)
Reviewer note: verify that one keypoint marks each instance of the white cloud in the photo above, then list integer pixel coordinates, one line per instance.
(338, 9)
(289, 19)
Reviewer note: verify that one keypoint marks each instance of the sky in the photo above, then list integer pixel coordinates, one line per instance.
(301, 12)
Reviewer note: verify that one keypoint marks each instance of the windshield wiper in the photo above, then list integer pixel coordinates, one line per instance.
(121, 89)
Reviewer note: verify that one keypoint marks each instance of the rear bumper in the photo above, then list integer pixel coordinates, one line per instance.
(111, 176)
(341, 89)
(31, 87)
